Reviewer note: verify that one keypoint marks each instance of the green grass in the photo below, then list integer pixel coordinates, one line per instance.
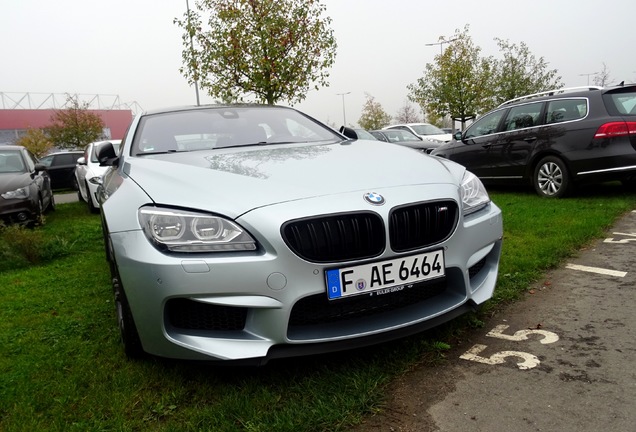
(62, 367)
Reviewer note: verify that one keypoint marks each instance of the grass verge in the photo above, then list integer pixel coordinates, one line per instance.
(62, 367)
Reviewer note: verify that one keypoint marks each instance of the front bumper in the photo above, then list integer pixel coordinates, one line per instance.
(17, 210)
(245, 306)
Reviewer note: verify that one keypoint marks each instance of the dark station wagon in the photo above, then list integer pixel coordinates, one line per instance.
(553, 140)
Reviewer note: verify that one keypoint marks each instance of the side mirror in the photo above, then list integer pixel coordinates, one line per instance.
(457, 136)
(348, 132)
(39, 167)
(106, 155)
(81, 161)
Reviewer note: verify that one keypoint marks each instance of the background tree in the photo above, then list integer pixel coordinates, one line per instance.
(269, 50)
(373, 115)
(74, 127)
(520, 73)
(458, 83)
(407, 114)
(603, 77)
(36, 141)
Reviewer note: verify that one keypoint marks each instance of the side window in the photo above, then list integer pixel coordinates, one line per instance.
(65, 159)
(46, 161)
(486, 125)
(523, 116)
(624, 102)
(565, 110)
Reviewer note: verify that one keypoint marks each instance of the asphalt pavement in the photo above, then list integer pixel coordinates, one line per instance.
(67, 197)
(562, 359)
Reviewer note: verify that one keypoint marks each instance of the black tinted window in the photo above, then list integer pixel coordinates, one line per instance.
(486, 125)
(624, 103)
(523, 116)
(66, 159)
(565, 110)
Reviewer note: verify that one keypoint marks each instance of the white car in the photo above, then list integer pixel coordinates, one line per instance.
(250, 232)
(88, 173)
(424, 130)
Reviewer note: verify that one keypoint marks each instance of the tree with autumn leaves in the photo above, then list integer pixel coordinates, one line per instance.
(75, 126)
(262, 50)
(462, 84)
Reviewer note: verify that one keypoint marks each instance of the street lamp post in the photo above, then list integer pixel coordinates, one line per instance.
(441, 44)
(196, 83)
(588, 77)
(344, 116)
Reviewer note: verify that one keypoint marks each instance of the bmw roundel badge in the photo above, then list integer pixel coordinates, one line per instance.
(374, 198)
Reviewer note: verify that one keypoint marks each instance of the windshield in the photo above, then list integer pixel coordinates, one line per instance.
(219, 127)
(363, 134)
(11, 162)
(399, 135)
(427, 129)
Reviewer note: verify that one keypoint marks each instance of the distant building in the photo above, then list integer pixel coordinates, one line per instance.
(17, 115)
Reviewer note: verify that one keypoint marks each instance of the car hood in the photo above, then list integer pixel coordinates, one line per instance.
(234, 181)
(12, 181)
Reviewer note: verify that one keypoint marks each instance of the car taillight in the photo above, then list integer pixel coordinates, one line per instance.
(616, 129)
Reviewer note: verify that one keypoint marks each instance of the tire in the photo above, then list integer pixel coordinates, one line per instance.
(89, 201)
(38, 217)
(51, 206)
(127, 329)
(551, 178)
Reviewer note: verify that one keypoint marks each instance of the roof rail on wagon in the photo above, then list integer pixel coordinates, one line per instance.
(550, 93)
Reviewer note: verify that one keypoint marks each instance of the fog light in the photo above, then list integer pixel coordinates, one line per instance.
(22, 216)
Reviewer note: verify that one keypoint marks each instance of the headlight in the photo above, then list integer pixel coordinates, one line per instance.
(21, 193)
(97, 180)
(182, 231)
(473, 193)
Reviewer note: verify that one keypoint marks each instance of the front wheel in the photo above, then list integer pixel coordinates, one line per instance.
(125, 321)
(551, 178)
(89, 201)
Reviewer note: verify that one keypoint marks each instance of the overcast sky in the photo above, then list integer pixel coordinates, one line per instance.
(132, 49)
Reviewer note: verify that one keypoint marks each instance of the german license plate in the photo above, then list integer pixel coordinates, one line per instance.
(384, 276)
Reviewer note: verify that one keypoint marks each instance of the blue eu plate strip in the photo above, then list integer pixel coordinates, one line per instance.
(333, 284)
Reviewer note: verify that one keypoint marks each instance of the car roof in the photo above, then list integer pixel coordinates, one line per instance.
(210, 106)
(10, 147)
(564, 92)
(64, 152)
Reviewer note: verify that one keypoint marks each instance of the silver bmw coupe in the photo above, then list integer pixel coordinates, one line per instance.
(247, 232)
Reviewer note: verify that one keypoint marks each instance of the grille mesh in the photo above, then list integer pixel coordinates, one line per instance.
(317, 309)
(192, 315)
(336, 238)
(421, 225)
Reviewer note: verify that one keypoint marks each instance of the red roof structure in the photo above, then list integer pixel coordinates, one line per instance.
(117, 121)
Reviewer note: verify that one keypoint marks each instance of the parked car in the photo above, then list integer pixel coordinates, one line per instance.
(424, 130)
(248, 232)
(88, 174)
(61, 168)
(354, 133)
(553, 140)
(25, 186)
(405, 138)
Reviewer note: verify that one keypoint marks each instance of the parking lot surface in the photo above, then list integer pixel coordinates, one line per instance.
(562, 359)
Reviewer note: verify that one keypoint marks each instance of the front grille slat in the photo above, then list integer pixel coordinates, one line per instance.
(355, 236)
(334, 238)
(421, 225)
(317, 309)
(188, 314)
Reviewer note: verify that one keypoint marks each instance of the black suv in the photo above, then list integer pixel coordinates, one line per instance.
(553, 140)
